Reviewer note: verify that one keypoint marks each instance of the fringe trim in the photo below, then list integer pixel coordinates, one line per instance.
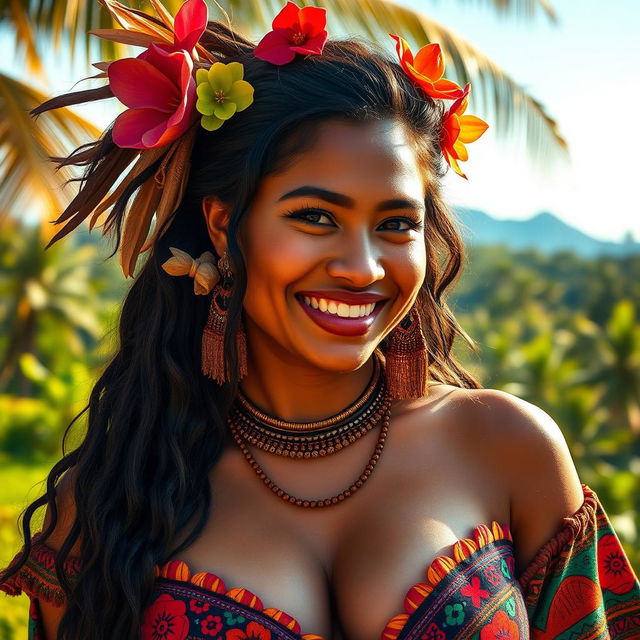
(570, 529)
(37, 577)
(406, 375)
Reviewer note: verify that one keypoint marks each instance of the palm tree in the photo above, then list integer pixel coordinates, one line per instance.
(36, 285)
(37, 23)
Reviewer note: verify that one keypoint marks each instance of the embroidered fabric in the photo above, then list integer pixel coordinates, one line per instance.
(579, 585)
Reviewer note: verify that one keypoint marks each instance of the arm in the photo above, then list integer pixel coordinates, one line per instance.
(51, 614)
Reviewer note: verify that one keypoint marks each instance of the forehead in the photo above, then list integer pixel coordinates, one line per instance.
(369, 161)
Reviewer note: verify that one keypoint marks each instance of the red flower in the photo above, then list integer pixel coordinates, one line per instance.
(501, 627)
(427, 69)
(294, 30)
(434, 632)
(198, 606)
(253, 630)
(211, 625)
(165, 619)
(613, 566)
(158, 85)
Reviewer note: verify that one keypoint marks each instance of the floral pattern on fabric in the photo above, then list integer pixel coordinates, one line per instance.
(579, 586)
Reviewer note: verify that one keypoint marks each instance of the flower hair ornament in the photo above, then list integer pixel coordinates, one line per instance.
(175, 86)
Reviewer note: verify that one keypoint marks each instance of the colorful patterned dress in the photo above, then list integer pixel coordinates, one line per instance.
(579, 586)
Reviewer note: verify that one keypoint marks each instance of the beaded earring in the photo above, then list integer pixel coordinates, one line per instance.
(213, 360)
(407, 359)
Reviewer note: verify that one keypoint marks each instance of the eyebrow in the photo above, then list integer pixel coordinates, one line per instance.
(349, 203)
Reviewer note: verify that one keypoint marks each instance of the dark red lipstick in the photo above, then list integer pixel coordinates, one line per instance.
(336, 324)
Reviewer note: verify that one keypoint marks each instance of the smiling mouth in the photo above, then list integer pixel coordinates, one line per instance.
(340, 309)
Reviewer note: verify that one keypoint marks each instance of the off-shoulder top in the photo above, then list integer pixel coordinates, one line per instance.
(579, 586)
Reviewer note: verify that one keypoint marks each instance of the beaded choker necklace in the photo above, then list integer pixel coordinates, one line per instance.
(248, 424)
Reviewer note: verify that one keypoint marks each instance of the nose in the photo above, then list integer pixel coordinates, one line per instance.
(358, 262)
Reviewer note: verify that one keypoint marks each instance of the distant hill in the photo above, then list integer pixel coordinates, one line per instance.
(544, 231)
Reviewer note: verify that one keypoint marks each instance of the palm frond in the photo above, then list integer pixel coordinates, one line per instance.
(27, 177)
(526, 9)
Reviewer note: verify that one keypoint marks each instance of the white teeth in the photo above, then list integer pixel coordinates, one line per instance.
(343, 310)
(340, 308)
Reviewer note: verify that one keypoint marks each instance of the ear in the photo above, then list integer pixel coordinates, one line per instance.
(216, 215)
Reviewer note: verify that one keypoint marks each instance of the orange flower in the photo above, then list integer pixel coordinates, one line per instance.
(458, 130)
(427, 69)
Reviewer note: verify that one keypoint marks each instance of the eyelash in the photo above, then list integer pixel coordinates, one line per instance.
(300, 213)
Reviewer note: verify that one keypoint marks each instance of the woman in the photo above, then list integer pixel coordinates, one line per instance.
(405, 500)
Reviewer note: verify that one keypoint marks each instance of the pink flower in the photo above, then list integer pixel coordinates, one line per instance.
(294, 30)
(158, 85)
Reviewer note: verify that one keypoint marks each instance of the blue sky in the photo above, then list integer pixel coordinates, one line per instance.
(586, 72)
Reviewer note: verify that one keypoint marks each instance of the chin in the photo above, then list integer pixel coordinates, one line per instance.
(340, 357)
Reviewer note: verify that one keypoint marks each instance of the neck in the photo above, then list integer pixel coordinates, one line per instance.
(298, 392)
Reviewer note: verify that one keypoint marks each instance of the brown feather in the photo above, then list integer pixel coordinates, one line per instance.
(73, 98)
(173, 183)
(165, 16)
(129, 19)
(93, 191)
(124, 36)
(137, 225)
(145, 160)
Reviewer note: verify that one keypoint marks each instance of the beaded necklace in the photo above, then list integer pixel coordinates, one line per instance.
(249, 424)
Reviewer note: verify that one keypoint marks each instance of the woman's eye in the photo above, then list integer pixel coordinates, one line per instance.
(399, 224)
(321, 218)
(315, 216)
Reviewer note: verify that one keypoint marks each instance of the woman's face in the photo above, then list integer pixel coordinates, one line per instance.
(334, 247)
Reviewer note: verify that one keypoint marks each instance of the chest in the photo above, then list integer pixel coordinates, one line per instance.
(342, 572)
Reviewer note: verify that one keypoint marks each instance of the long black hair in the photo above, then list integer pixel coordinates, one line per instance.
(155, 424)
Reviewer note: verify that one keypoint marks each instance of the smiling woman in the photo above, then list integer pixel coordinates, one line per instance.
(306, 349)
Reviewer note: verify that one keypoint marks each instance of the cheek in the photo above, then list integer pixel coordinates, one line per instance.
(407, 267)
(276, 258)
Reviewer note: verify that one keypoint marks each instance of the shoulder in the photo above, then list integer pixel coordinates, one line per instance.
(522, 447)
(65, 511)
(523, 443)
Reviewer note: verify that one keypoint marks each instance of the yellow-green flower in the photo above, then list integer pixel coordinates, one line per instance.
(221, 92)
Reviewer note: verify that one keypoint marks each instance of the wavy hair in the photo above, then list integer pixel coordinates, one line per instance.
(155, 424)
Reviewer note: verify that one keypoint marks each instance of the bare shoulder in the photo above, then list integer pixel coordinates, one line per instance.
(527, 447)
(521, 446)
(66, 513)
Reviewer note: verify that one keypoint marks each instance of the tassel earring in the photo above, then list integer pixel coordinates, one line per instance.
(407, 359)
(213, 360)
